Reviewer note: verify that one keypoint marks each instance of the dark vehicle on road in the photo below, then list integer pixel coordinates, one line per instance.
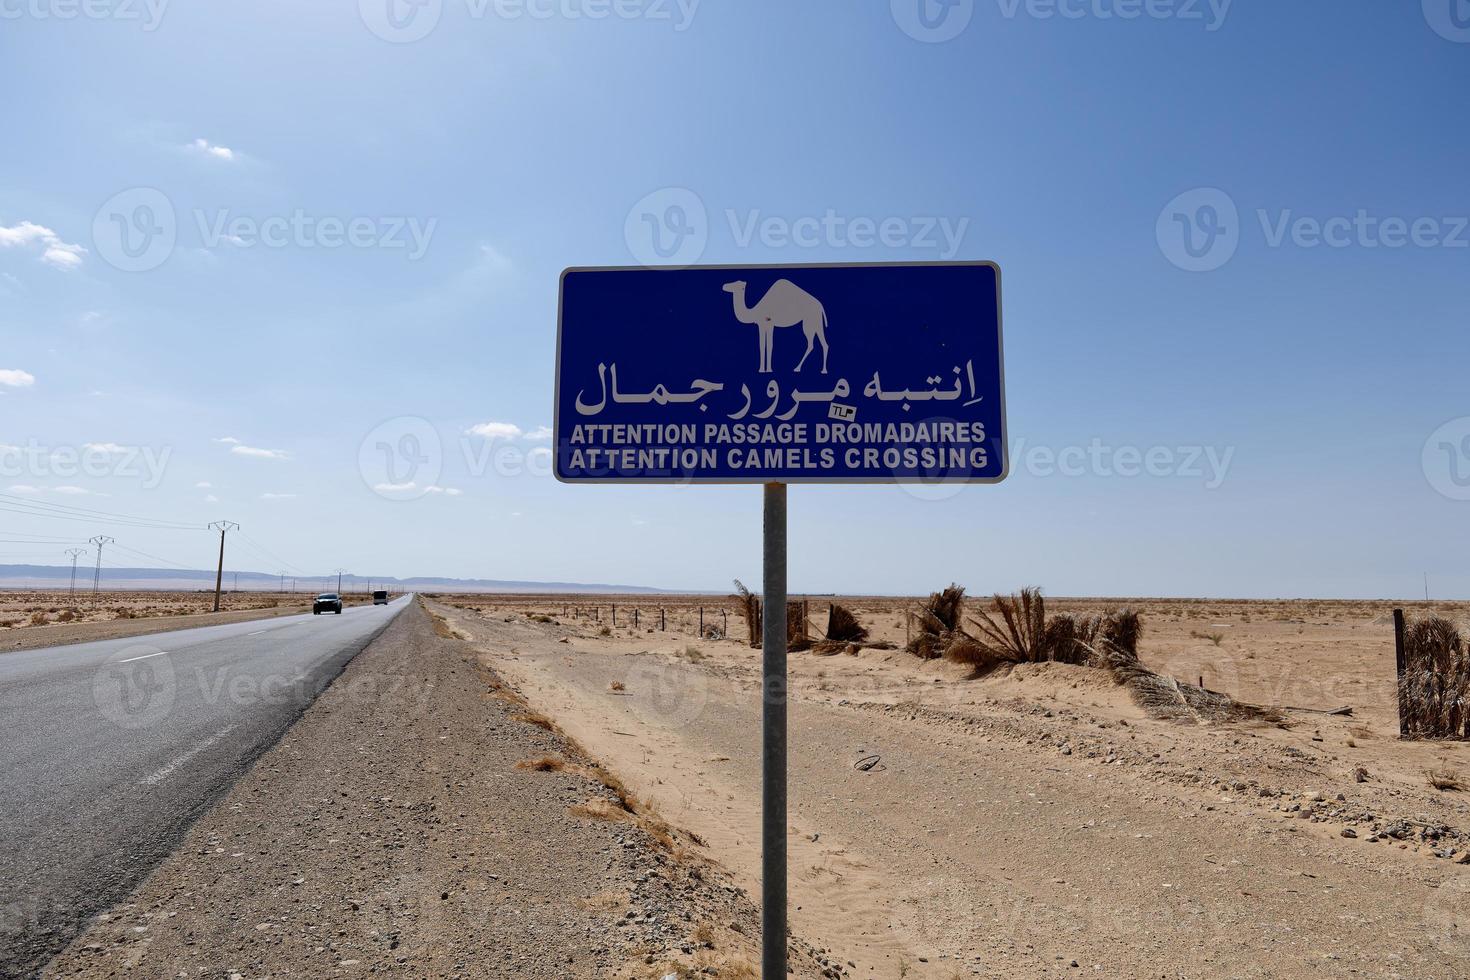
(380, 598)
(327, 602)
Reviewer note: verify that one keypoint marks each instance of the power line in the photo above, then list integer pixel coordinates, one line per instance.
(145, 554)
(88, 512)
(277, 559)
(107, 522)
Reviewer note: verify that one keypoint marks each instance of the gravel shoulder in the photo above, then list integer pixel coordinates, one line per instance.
(421, 820)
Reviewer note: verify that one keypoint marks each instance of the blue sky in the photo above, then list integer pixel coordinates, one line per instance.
(1304, 403)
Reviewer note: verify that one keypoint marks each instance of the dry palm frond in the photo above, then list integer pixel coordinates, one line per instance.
(751, 605)
(1015, 629)
(843, 625)
(1434, 692)
(937, 617)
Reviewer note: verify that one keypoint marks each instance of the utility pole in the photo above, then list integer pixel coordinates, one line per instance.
(339, 580)
(219, 573)
(99, 541)
(283, 581)
(75, 554)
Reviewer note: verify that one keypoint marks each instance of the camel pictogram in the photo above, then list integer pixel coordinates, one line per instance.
(785, 304)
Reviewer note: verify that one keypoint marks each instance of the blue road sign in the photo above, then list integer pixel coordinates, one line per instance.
(793, 374)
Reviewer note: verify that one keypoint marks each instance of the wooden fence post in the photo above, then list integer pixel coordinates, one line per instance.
(661, 619)
(1398, 652)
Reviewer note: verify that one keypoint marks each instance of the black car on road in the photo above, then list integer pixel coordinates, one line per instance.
(327, 602)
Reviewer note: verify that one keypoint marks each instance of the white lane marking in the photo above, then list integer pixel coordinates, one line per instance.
(257, 632)
(144, 657)
(172, 767)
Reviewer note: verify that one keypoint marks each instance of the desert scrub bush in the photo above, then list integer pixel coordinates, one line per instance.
(617, 686)
(1215, 638)
(1445, 780)
(534, 718)
(692, 654)
(39, 618)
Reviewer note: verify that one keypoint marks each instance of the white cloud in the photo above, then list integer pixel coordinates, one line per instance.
(278, 496)
(210, 498)
(212, 149)
(495, 430)
(72, 491)
(54, 251)
(25, 488)
(256, 452)
(111, 448)
(203, 485)
(539, 434)
(411, 486)
(228, 440)
(16, 378)
(540, 452)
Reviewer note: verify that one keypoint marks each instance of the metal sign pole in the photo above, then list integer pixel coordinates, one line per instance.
(773, 737)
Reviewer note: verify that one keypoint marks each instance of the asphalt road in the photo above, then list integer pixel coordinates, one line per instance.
(109, 750)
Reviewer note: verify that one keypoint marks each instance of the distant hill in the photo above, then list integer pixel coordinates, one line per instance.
(185, 580)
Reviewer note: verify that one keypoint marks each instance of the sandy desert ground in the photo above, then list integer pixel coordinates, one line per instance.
(1037, 822)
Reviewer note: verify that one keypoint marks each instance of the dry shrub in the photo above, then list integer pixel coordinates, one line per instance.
(545, 763)
(617, 686)
(1434, 693)
(65, 616)
(843, 625)
(534, 718)
(598, 809)
(1445, 779)
(39, 618)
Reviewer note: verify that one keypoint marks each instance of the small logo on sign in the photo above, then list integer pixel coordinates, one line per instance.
(842, 413)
